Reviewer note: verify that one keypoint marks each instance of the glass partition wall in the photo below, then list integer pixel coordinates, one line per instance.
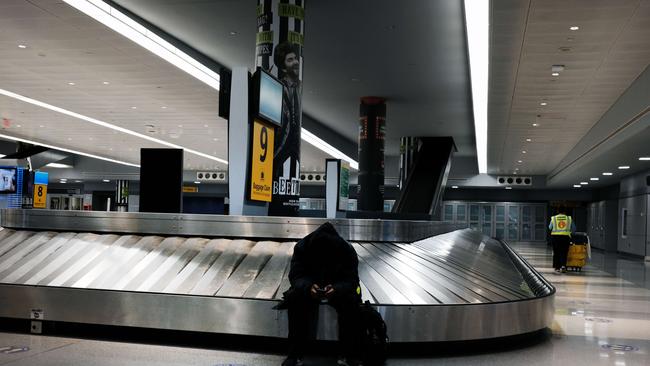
(512, 221)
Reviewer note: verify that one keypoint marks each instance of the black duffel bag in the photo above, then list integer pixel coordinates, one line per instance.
(374, 337)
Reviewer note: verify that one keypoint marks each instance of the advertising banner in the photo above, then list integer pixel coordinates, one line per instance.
(344, 186)
(279, 50)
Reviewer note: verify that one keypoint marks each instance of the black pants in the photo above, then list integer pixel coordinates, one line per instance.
(303, 323)
(560, 250)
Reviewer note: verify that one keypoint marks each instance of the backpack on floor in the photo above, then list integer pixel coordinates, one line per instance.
(374, 338)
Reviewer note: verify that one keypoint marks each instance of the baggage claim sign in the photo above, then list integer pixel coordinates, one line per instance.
(261, 161)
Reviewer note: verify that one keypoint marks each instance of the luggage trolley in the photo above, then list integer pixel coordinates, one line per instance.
(579, 251)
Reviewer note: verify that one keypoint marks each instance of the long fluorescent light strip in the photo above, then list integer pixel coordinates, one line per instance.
(131, 29)
(14, 138)
(477, 14)
(117, 21)
(327, 148)
(105, 124)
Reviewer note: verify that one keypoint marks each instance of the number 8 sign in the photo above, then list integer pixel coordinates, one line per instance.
(40, 196)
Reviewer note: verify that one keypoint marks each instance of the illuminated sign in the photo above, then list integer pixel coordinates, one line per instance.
(261, 176)
(40, 189)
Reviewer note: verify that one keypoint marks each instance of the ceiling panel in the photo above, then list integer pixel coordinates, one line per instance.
(414, 54)
(601, 60)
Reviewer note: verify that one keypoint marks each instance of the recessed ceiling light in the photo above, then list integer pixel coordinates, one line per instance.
(577, 186)
(163, 107)
(105, 83)
(477, 23)
(181, 126)
(519, 161)
(206, 126)
(623, 167)
(105, 180)
(41, 126)
(608, 173)
(594, 179)
(71, 83)
(584, 183)
(528, 140)
(233, 33)
(508, 187)
(454, 187)
(134, 107)
(197, 182)
(19, 126)
(515, 172)
(555, 74)
(69, 138)
(22, 46)
(516, 168)
(535, 124)
(78, 181)
(523, 151)
(644, 158)
(543, 103)
(574, 28)
(58, 166)
(215, 139)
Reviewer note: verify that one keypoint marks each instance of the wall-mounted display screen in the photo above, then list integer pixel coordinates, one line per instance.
(41, 178)
(7, 180)
(269, 98)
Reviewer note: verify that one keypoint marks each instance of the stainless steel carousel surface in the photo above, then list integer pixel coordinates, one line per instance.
(429, 281)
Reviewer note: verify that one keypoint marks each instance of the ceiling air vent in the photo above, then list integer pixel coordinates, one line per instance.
(515, 180)
(213, 176)
(314, 178)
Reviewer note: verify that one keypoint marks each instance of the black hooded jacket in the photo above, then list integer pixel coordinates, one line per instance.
(324, 258)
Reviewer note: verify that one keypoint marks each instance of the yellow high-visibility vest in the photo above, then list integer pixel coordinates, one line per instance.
(561, 225)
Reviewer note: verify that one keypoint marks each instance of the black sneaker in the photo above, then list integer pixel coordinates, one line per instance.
(292, 361)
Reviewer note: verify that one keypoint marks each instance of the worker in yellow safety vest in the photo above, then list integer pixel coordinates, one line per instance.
(561, 227)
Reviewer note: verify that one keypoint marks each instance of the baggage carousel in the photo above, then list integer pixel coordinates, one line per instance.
(223, 274)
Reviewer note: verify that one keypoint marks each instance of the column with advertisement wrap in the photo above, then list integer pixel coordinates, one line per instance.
(372, 124)
(279, 50)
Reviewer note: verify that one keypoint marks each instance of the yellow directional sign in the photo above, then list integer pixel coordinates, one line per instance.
(40, 196)
(261, 185)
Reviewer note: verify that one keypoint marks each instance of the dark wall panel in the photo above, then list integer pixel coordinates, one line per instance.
(161, 180)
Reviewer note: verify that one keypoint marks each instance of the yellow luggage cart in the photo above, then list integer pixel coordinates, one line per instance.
(579, 251)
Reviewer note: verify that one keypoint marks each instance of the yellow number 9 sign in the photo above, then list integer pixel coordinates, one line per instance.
(262, 162)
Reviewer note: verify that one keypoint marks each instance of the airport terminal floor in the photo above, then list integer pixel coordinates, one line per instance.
(602, 318)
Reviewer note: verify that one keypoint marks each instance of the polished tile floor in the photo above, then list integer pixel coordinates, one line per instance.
(602, 318)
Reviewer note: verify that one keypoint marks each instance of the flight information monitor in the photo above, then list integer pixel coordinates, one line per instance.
(267, 97)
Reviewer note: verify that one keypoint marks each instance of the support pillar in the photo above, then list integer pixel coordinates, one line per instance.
(372, 124)
(279, 50)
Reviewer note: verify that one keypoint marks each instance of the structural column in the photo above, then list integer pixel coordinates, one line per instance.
(372, 124)
(279, 50)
